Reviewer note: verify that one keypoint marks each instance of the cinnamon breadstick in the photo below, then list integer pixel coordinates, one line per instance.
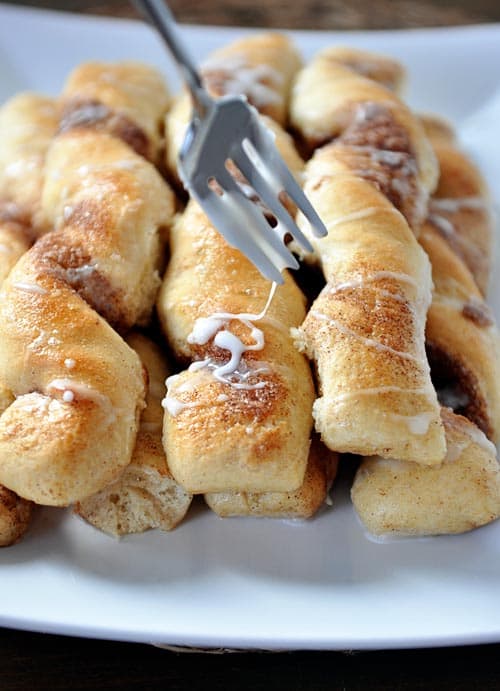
(125, 99)
(398, 498)
(258, 67)
(394, 497)
(463, 341)
(239, 418)
(365, 331)
(461, 207)
(78, 389)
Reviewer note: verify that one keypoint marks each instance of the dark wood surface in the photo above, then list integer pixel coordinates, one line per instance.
(304, 14)
(42, 661)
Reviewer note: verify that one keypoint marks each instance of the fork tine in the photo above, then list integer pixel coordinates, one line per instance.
(262, 141)
(269, 196)
(258, 241)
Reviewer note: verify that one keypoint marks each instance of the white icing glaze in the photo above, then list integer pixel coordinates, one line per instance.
(233, 372)
(69, 363)
(361, 281)
(72, 390)
(29, 287)
(452, 205)
(238, 77)
(417, 424)
(80, 272)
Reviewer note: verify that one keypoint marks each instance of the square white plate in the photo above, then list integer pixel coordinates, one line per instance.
(245, 583)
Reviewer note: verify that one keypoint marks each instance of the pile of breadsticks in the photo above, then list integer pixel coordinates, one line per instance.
(380, 353)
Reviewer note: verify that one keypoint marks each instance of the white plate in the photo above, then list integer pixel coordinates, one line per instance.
(258, 583)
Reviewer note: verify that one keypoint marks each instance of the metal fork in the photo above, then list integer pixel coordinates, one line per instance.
(225, 136)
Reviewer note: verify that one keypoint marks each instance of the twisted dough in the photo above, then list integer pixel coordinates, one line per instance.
(109, 206)
(463, 342)
(377, 136)
(460, 209)
(76, 388)
(145, 495)
(220, 438)
(259, 67)
(27, 124)
(126, 99)
(365, 331)
(394, 497)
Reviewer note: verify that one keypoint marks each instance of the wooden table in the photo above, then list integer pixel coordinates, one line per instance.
(41, 661)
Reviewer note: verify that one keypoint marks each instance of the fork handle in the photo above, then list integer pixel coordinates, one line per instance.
(159, 14)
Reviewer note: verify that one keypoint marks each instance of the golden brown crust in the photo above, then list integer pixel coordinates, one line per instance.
(462, 339)
(145, 495)
(460, 208)
(78, 390)
(259, 67)
(329, 99)
(222, 438)
(302, 503)
(365, 331)
(126, 99)
(398, 498)
(15, 517)
(108, 206)
(380, 68)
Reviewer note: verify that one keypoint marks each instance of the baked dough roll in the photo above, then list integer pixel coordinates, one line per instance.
(239, 418)
(463, 342)
(378, 137)
(365, 331)
(397, 498)
(303, 503)
(109, 207)
(77, 387)
(259, 67)
(28, 123)
(15, 517)
(375, 66)
(125, 99)
(461, 208)
(145, 495)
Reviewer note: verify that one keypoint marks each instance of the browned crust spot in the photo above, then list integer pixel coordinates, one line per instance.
(478, 312)
(73, 266)
(91, 114)
(378, 149)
